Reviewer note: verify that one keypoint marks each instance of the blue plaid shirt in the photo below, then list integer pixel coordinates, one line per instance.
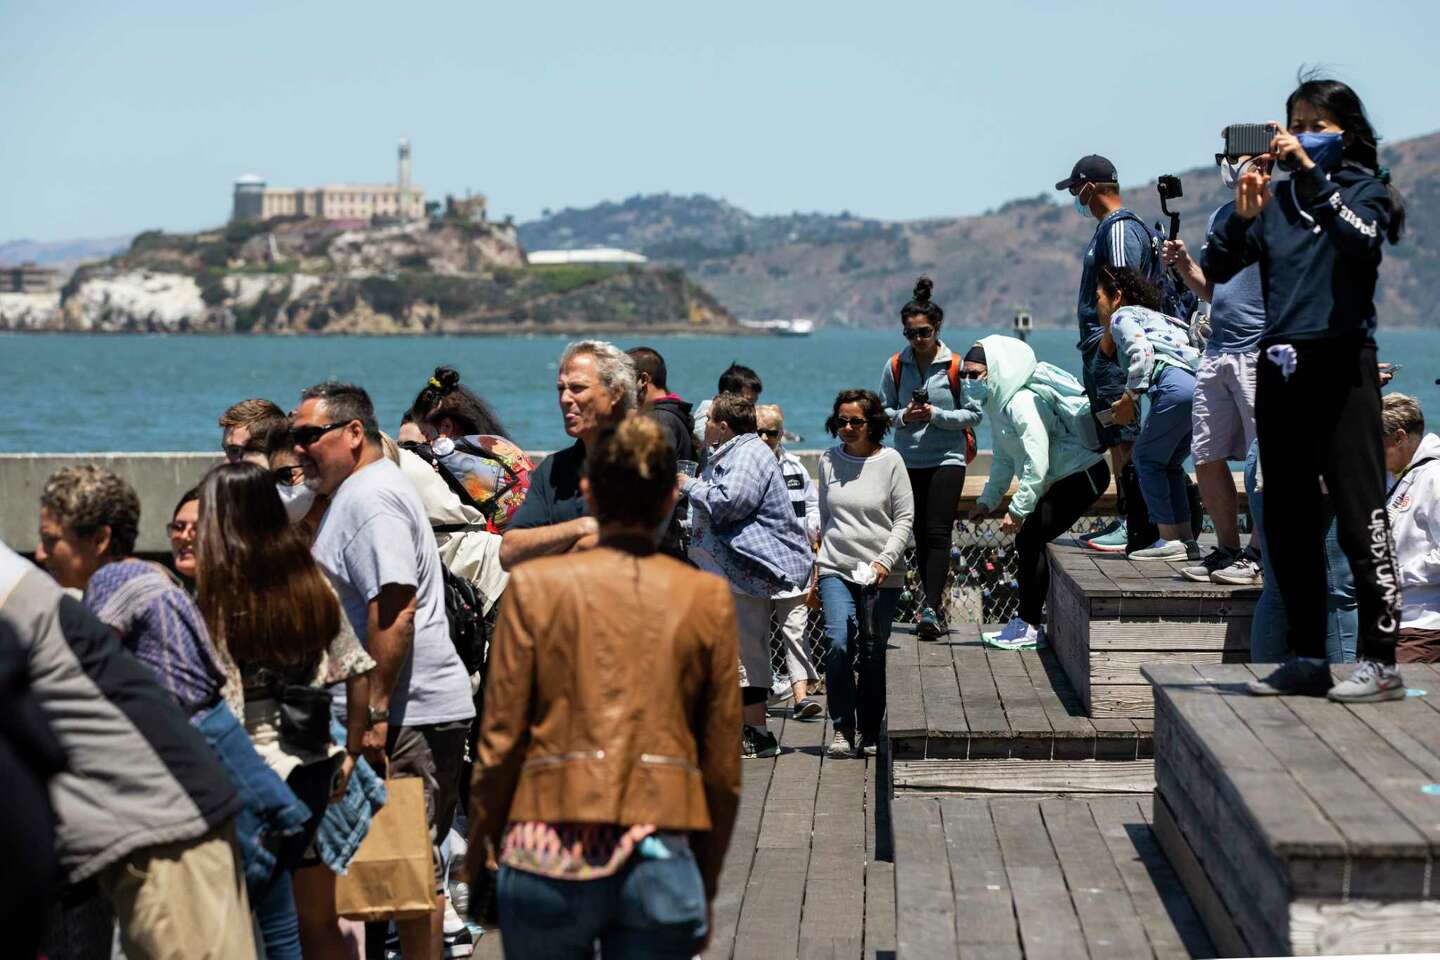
(742, 498)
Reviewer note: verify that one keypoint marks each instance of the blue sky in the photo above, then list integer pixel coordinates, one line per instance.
(127, 116)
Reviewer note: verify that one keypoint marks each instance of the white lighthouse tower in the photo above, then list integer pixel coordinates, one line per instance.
(402, 181)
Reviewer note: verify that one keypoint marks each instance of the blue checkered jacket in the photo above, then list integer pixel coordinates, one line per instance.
(744, 495)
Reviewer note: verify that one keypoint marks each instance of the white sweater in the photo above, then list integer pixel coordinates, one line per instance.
(866, 512)
(1414, 507)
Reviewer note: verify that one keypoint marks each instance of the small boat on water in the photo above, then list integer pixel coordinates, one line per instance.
(797, 327)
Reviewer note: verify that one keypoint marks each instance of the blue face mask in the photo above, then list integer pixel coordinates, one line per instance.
(1326, 149)
(977, 390)
(1082, 209)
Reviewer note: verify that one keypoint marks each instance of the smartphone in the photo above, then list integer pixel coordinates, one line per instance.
(1390, 368)
(920, 397)
(1106, 417)
(1248, 139)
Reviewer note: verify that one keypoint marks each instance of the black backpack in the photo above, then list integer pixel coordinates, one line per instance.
(469, 627)
(1179, 301)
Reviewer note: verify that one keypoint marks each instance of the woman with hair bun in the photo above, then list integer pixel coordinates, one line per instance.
(445, 408)
(920, 387)
(599, 788)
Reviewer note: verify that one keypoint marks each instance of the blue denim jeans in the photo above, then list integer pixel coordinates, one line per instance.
(1268, 629)
(651, 908)
(1164, 444)
(857, 626)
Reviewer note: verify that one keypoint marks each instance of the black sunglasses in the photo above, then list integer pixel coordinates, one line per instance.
(307, 435)
(919, 333)
(964, 374)
(856, 422)
(768, 433)
(288, 476)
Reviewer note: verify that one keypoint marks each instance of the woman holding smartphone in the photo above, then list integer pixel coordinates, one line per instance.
(920, 387)
(1317, 237)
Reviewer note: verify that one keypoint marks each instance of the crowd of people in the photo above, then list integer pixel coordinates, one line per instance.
(574, 656)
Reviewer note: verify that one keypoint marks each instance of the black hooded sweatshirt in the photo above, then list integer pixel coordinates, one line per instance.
(1318, 245)
(673, 415)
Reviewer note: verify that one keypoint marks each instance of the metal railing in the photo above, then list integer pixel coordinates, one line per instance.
(982, 587)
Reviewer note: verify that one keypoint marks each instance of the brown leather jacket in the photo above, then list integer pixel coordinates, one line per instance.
(613, 696)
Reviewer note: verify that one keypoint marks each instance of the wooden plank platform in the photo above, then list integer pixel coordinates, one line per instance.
(965, 717)
(1108, 616)
(1300, 826)
(1021, 877)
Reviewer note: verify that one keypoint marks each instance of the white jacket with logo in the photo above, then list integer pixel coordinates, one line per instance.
(1414, 507)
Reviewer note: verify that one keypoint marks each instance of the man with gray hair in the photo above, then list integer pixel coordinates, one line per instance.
(376, 544)
(596, 390)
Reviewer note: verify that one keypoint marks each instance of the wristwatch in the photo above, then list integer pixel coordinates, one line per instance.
(376, 716)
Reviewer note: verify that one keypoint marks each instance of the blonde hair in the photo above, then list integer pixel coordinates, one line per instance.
(631, 470)
(1401, 412)
(768, 412)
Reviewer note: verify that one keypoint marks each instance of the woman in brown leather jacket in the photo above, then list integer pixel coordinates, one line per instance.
(608, 775)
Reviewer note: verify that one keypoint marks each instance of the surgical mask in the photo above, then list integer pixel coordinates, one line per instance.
(1326, 149)
(297, 500)
(977, 390)
(1082, 209)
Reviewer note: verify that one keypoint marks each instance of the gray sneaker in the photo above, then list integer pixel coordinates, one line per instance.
(1168, 551)
(840, 747)
(1372, 681)
(1298, 676)
(1244, 571)
(1217, 559)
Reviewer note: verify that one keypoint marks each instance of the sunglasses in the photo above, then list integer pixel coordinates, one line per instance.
(235, 452)
(178, 528)
(307, 435)
(856, 422)
(768, 433)
(289, 476)
(920, 333)
(969, 374)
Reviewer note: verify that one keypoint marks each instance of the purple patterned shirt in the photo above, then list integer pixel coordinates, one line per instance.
(159, 623)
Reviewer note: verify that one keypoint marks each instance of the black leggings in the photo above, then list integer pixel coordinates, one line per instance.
(1065, 502)
(1324, 423)
(937, 493)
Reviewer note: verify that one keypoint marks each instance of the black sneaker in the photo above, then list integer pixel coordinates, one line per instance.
(1217, 559)
(758, 744)
(1298, 676)
(808, 709)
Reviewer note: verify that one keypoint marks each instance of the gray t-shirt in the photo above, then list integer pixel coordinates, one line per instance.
(1237, 307)
(375, 533)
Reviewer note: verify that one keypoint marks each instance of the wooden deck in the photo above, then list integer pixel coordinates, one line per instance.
(1108, 615)
(1300, 826)
(808, 875)
(964, 717)
(1061, 877)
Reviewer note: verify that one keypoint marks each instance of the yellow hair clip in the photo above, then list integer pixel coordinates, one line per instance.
(436, 384)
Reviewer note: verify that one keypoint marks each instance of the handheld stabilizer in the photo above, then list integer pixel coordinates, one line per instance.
(1169, 189)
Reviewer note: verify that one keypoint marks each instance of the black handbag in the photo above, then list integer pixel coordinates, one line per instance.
(305, 717)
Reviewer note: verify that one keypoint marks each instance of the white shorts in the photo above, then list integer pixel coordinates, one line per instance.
(1223, 417)
(794, 619)
(752, 620)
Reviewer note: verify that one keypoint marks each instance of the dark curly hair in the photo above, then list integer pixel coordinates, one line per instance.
(443, 396)
(869, 401)
(1132, 289)
(922, 306)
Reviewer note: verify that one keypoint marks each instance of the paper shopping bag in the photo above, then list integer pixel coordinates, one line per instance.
(392, 875)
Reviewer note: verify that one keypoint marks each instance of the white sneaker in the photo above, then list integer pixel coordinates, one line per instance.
(1017, 635)
(1371, 682)
(1166, 551)
(840, 747)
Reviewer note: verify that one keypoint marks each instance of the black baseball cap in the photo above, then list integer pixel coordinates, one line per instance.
(1091, 169)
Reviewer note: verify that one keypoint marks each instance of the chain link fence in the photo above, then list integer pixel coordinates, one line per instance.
(982, 587)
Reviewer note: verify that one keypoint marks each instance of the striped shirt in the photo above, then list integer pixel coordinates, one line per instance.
(158, 623)
(804, 494)
(1120, 240)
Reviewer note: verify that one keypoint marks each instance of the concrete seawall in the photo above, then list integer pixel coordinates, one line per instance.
(160, 479)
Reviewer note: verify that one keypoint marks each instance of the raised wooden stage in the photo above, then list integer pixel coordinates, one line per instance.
(1298, 825)
(1108, 615)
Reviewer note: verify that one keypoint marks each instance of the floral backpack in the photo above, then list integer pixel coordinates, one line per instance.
(487, 472)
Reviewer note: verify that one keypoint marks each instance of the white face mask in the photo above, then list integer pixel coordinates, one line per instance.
(1230, 174)
(297, 500)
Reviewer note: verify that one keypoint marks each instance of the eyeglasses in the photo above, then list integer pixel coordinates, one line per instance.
(307, 435)
(178, 528)
(289, 476)
(768, 433)
(919, 333)
(856, 422)
(235, 452)
(969, 374)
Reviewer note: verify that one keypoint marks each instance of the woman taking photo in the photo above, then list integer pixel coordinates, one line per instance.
(1160, 365)
(270, 607)
(1037, 416)
(1317, 237)
(866, 514)
(608, 799)
(920, 387)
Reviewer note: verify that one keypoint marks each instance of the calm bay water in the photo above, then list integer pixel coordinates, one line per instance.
(81, 392)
